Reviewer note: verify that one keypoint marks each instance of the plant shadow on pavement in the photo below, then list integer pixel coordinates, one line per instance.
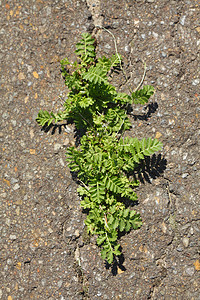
(152, 107)
(151, 168)
(54, 127)
(117, 263)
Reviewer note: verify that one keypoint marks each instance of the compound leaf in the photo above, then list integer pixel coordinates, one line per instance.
(142, 96)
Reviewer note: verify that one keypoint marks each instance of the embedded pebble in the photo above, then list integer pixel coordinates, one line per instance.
(60, 282)
(62, 162)
(16, 187)
(43, 281)
(182, 20)
(185, 241)
(68, 129)
(190, 271)
(163, 227)
(126, 48)
(195, 82)
(66, 142)
(13, 180)
(57, 147)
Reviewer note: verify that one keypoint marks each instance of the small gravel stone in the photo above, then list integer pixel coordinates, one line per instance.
(8, 221)
(126, 48)
(196, 82)
(185, 241)
(179, 249)
(163, 227)
(9, 261)
(155, 34)
(13, 237)
(60, 282)
(190, 271)
(13, 180)
(21, 76)
(68, 129)
(77, 233)
(185, 175)
(43, 281)
(66, 142)
(16, 187)
(57, 147)
(5, 115)
(182, 20)
(62, 162)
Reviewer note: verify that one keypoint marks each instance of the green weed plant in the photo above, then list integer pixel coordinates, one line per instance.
(104, 159)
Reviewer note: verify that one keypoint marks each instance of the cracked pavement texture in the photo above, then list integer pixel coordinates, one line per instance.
(42, 225)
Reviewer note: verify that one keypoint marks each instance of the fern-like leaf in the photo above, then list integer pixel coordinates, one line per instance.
(107, 64)
(85, 48)
(97, 192)
(96, 75)
(142, 96)
(115, 60)
(151, 146)
(113, 184)
(104, 63)
(44, 117)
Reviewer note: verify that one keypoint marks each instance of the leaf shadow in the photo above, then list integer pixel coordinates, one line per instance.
(151, 109)
(54, 128)
(117, 264)
(150, 168)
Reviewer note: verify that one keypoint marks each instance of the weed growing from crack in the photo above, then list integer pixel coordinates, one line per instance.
(104, 159)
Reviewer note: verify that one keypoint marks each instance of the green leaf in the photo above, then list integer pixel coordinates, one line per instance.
(97, 192)
(107, 64)
(96, 75)
(85, 102)
(128, 226)
(126, 213)
(152, 146)
(110, 257)
(115, 60)
(101, 239)
(104, 63)
(123, 98)
(112, 236)
(85, 48)
(115, 223)
(113, 184)
(142, 96)
(122, 225)
(64, 62)
(132, 213)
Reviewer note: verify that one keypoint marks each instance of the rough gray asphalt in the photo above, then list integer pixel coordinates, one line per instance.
(42, 231)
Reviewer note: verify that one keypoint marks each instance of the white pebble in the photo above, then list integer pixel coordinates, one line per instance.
(185, 241)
